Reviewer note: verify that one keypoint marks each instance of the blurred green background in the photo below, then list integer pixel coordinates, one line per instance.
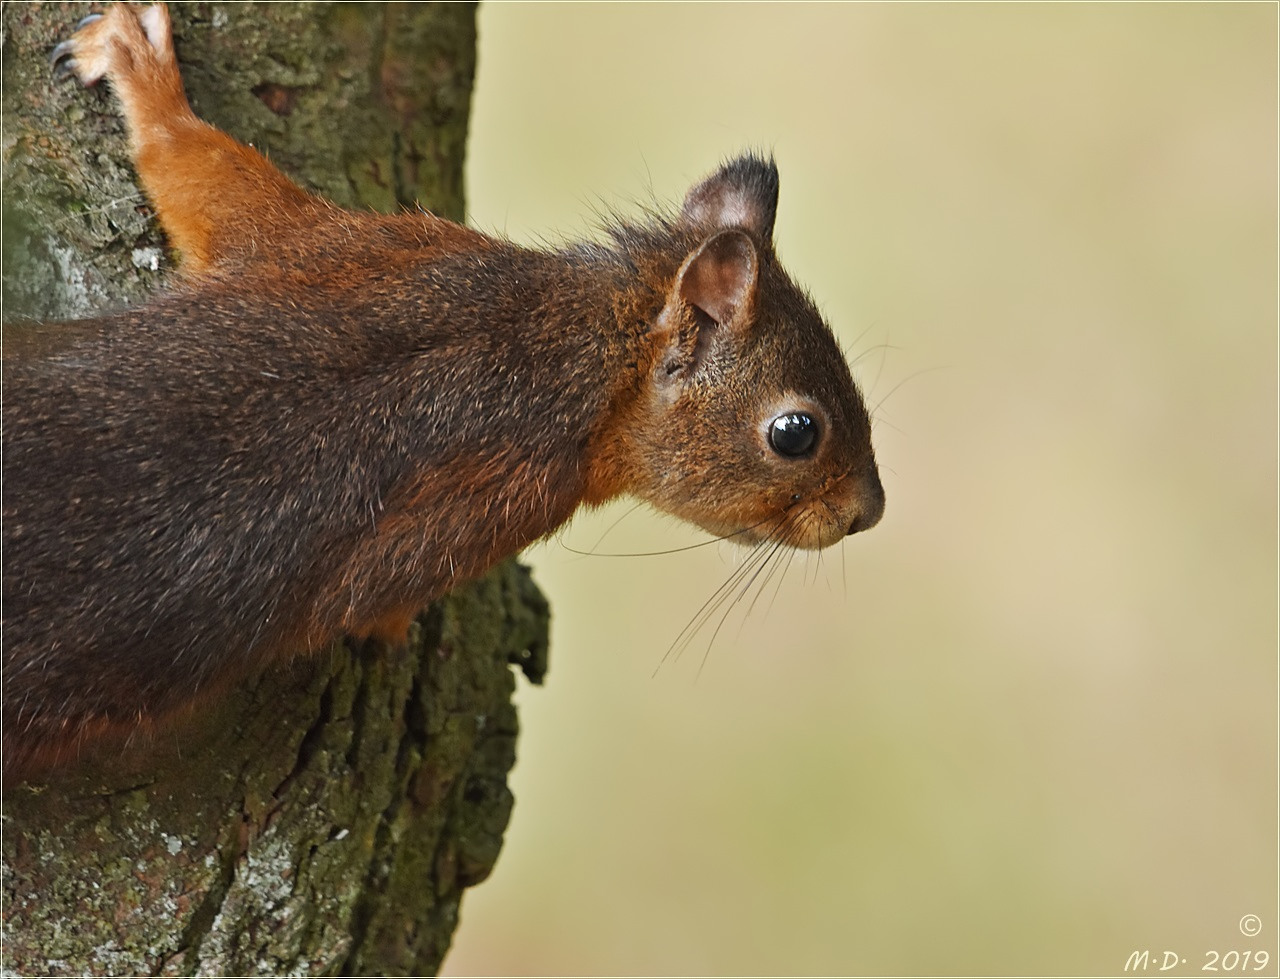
(1028, 724)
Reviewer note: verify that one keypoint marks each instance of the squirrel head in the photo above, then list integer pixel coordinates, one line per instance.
(750, 424)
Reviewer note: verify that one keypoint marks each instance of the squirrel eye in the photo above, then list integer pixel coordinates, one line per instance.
(793, 434)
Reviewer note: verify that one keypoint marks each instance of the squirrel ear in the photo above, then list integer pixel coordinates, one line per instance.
(712, 295)
(741, 194)
(720, 277)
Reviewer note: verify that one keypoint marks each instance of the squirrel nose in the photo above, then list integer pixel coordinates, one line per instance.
(870, 504)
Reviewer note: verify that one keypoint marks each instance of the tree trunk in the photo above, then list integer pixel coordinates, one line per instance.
(324, 819)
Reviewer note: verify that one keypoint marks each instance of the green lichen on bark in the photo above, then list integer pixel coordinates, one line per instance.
(323, 818)
(366, 103)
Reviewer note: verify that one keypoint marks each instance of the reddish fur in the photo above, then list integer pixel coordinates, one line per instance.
(492, 391)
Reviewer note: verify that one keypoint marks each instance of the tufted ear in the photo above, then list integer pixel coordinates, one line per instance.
(741, 194)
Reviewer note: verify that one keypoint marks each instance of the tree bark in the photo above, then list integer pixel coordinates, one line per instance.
(325, 818)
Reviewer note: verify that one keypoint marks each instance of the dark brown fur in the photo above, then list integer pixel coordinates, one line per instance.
(337, 417)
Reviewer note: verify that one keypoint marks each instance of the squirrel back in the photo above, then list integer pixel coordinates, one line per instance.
(336, 417)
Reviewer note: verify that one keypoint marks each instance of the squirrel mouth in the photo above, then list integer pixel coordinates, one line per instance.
(855, 504)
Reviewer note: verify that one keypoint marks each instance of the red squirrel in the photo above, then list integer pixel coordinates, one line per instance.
(335, 417)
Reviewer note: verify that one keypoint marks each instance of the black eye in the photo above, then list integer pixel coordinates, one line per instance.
(793, 434)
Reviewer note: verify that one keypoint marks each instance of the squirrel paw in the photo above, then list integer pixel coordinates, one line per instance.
(106, 44)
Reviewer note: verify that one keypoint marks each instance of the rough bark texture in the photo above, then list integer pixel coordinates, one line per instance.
(326, 818)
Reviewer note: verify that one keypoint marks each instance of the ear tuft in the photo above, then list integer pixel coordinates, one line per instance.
(720, 277)
(741, 194)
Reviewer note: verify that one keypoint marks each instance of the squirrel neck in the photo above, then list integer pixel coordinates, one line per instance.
(602, 301)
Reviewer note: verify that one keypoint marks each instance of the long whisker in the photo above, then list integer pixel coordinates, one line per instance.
(760, 566)
(878, 420)
(763, 561)
(709, 607)
(791, 553)
(834, 514)
(910, 377)
(853, 344)
(609, 530)
(884, 356)
(787, 567)
(758, 555)
(673, 550)
(746, 587)
(884, 347)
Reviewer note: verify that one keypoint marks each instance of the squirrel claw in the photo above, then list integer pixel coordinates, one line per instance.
(59, 62)
(62, 68)
(84, 54)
